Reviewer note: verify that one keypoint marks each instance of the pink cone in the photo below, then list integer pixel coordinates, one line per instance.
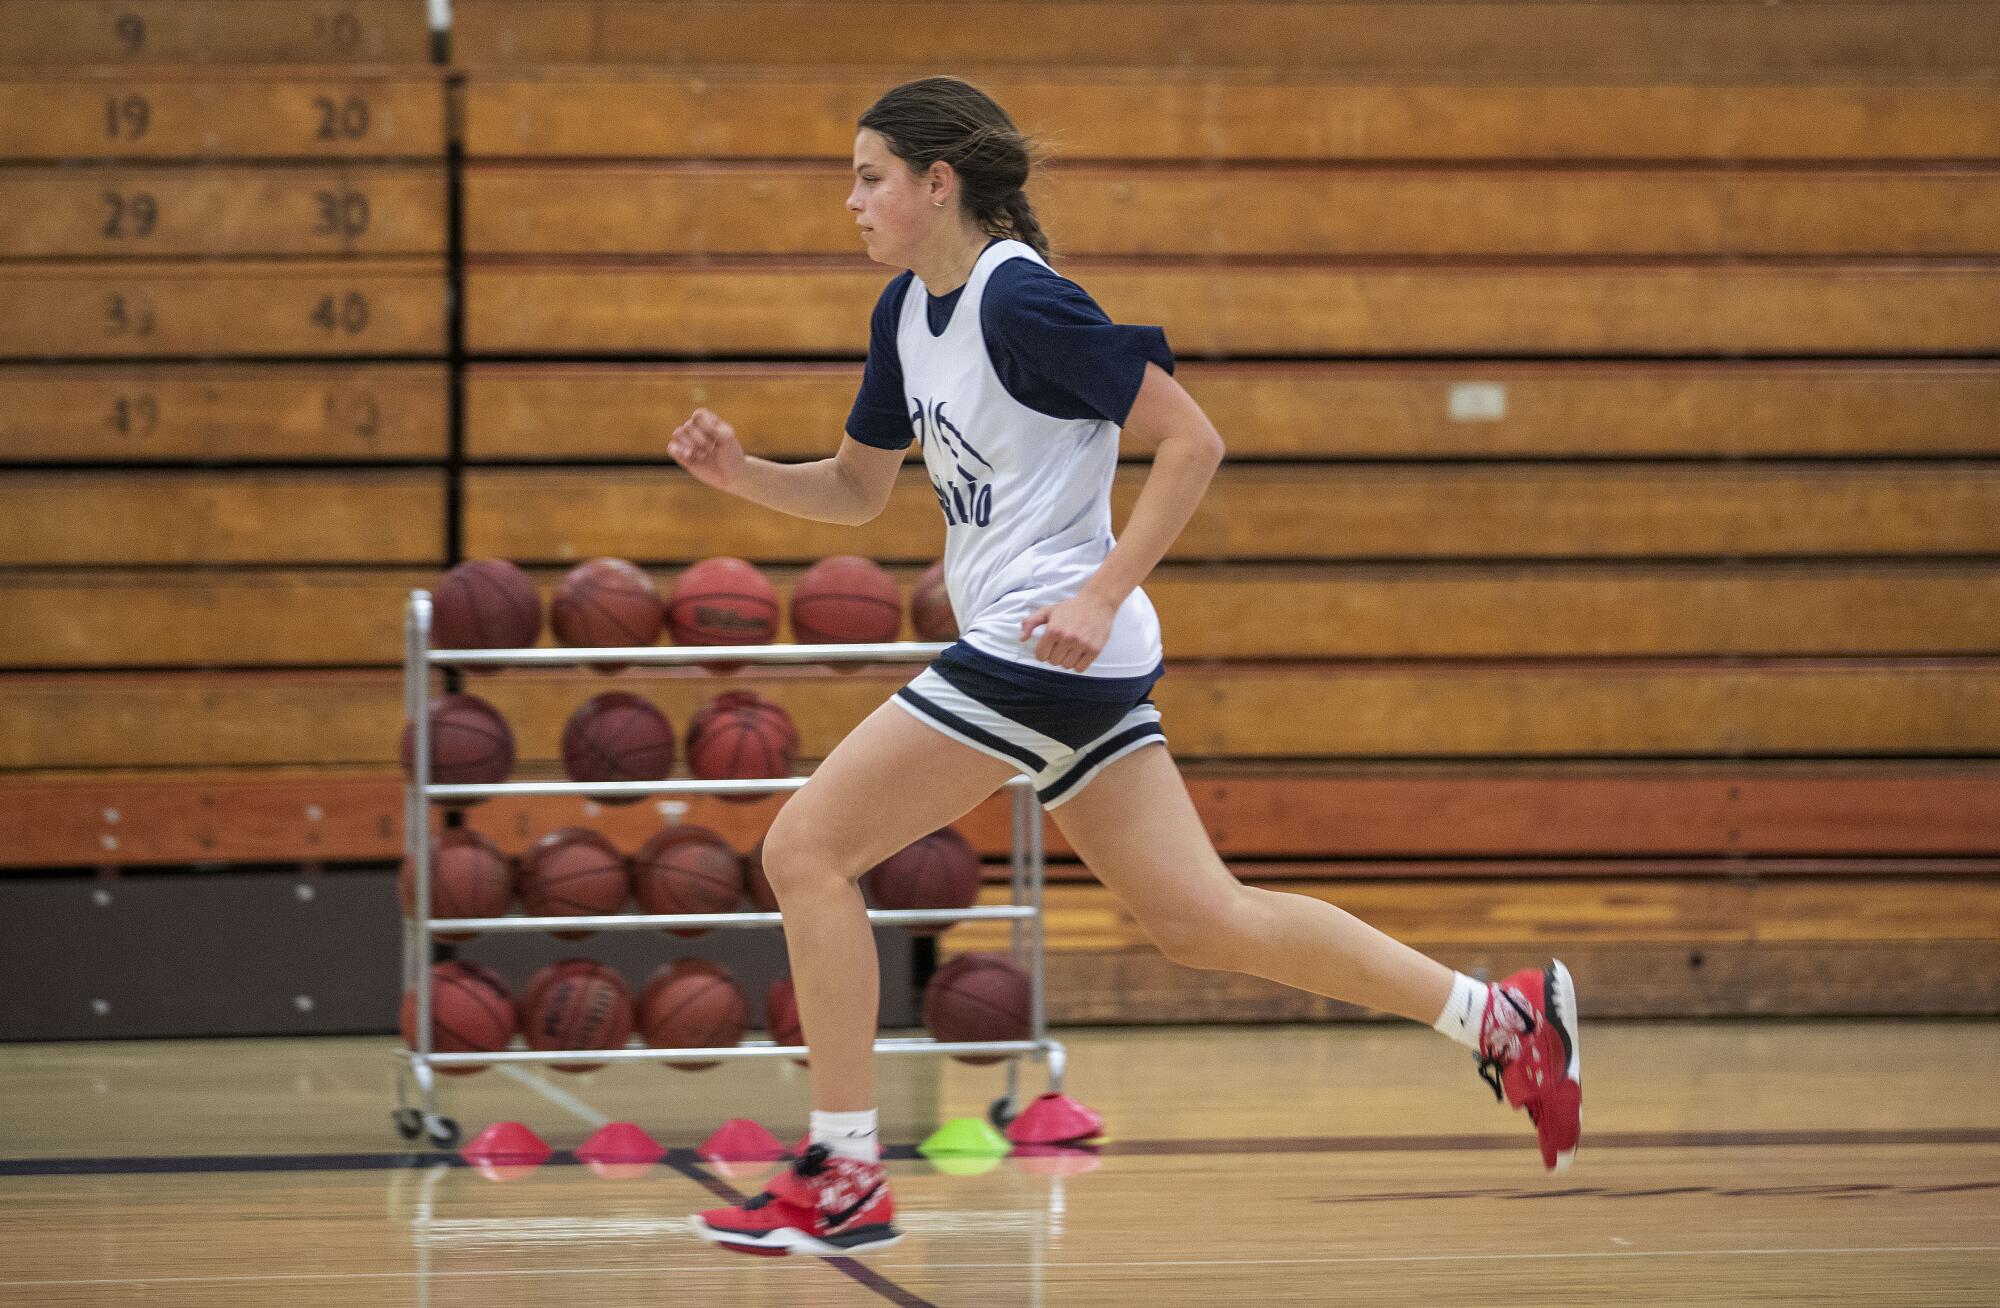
(621, 1142)
(1054, 1118)
(741, 1140)
(507, 1142)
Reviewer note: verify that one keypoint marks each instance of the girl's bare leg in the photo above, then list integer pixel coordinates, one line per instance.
(890, 782)
(1136, 828)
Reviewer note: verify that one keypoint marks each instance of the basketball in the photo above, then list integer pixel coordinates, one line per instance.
(544, 976)
(484, 975)
(573, 872)
(939, 871)
(755, 883)
(618, 736)
(930, 606)
(582, 1007)
(606, 602)
(467, 1015)
(471, 744)
(693, 1004)
(723, 602)
(845, 599)
(781, 1015)
(978, 997)
(740, 735)
(687, 870)
(485, 604)
(469, 878)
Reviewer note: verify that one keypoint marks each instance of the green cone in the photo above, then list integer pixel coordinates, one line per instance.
(966, 1137)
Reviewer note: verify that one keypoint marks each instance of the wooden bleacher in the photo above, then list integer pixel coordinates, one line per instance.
(1605, 561)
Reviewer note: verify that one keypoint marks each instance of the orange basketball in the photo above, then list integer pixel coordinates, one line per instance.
(470, 877)
(930, 606)
(485, 604)
(467, 1014)
(845, 599)
(471, 744)
(756, 883)
(940, 870)
(573, 872)
(542, 978)
(618, 736)
(687, 869)
(723, 601)
(781, 1016)
(740, 735)
(606, 602)
(580, 1008)
(978, 997)
(693, 1004)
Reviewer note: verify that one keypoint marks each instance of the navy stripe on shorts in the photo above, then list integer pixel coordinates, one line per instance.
(1060, 728)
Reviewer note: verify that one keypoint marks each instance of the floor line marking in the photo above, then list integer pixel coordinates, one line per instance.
(745, 1264)
(555, 1094)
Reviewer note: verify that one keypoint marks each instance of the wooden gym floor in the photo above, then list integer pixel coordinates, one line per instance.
(1722, 1163)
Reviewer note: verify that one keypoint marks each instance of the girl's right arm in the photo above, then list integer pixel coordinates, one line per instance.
(850, 488)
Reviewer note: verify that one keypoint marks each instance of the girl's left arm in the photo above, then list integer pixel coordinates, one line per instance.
(1186, 452)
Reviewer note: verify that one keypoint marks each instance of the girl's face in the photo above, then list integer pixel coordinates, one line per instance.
(894, 207)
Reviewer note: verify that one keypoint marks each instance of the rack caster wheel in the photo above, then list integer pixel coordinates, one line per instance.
(409, 1123)
(1003, 1111)
(443, 1131)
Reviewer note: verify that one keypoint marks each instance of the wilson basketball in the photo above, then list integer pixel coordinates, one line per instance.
(573, 872)
(580, 1008)
(930, 606)
(470, 877)
(467, 1015)
(606, 602)
(939, 871)
(693, 1004)
(781, 1016)
(978, 997)
(484, 975)
(485, 604)
(740, 735)
(543, 977)
(471, 744)
(756, 884)
(687, 870)
(845, 599)
(618, 736)
(723, 602)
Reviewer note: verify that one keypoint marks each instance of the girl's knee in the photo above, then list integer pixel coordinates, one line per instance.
(795, 856)
(1212, 935)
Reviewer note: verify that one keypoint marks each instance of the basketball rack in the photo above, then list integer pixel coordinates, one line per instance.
(416, 1113)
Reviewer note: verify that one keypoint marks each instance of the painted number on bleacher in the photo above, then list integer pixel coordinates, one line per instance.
(126, 117)
(128, 315)
(356, 414)
(341, 120)
(135, 415)
(343, 313)
(131, 33)
(341, 213)
(129, 215)
(340, 29)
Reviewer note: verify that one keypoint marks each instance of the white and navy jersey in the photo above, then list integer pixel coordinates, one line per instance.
(1017, 385)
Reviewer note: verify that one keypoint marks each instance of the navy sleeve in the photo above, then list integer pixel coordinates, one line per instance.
(880, 416)
(1057, 352)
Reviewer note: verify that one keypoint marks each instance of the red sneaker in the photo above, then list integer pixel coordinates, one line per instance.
(821, 1205)
(1528, 1050)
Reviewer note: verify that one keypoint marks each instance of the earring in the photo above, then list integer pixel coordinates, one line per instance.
(937, 204)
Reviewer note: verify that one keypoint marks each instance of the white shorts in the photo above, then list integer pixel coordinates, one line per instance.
(1103, 729)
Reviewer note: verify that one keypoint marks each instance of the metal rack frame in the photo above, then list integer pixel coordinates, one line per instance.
(417, 1067)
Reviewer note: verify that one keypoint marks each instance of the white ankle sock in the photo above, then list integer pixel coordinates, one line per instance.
(1463, 1011)
(848, 1135)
